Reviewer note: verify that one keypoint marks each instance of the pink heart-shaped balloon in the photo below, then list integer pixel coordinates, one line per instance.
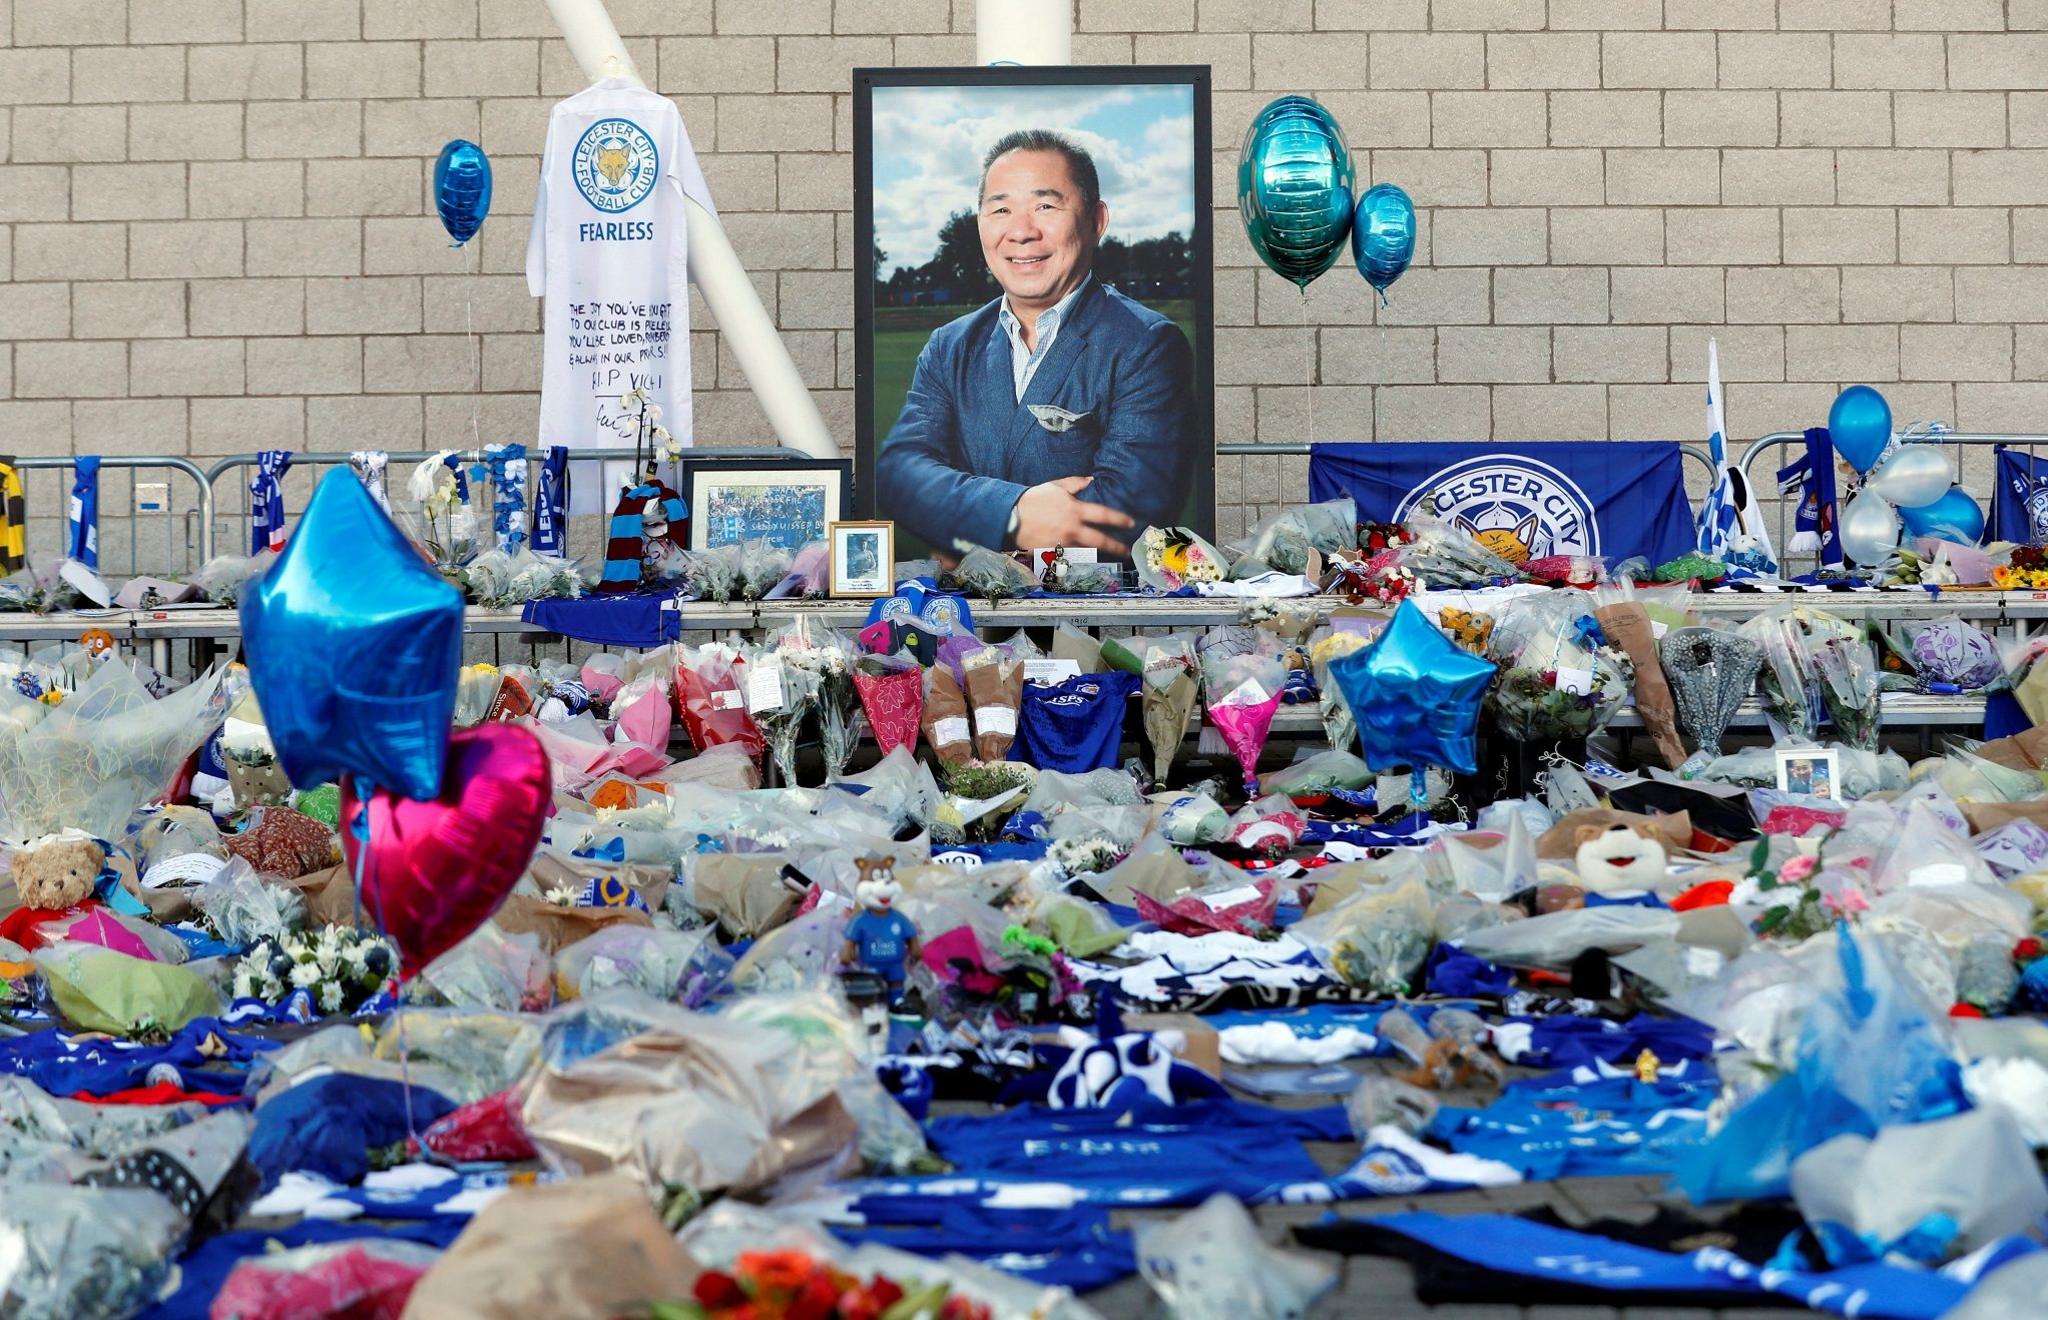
(437, 869)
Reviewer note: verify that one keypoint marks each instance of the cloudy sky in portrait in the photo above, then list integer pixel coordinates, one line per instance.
(929, 142)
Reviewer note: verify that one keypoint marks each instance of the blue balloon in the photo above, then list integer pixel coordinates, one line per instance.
(1954, 517)
(354, 645)
(1294, 182)
(1860, 424)
(1415, 695)
(1383, 235)
(462, 189)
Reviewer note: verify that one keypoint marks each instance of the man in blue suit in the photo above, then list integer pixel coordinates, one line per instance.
(1060, 414)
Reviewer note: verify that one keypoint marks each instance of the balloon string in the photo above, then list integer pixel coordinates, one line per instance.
(476, 370)
(1308, 365)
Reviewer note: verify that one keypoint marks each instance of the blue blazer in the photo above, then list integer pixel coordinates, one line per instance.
(965, 448)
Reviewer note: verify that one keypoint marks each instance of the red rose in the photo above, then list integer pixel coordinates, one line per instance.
(713, 1290)
(885, 1291)
(817, 1301)
(2026, 950)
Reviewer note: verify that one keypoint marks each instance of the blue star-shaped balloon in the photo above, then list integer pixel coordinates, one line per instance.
(1415, 695)
(354, 645)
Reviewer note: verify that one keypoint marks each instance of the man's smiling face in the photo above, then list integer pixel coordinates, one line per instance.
(1036, 231)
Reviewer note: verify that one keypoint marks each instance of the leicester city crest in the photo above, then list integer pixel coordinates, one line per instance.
(2037, 513)
(1515, 506)
(616, 165)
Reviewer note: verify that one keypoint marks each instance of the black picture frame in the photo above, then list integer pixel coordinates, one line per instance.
(696, 476)
(1200, 513)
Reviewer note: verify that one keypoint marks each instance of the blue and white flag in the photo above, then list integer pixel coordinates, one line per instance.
(551, 503)
(1731, 530)
(84, 542)
(266, 501)
(1613, 498)
(2019, 505)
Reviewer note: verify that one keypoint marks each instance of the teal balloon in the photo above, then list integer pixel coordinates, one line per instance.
(354, 645)
(1383, 235)
(1294, 182)
(1954, 517)
(1415, 695)
(1860, 424)
(462, 189)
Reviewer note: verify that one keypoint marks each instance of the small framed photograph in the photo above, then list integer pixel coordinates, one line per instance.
(788, 504)
(1815, 771)
(863, 558)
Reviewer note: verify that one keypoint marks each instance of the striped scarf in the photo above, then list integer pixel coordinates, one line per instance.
(551, 503)
(13, 518)
(626, 550)
(266, 501)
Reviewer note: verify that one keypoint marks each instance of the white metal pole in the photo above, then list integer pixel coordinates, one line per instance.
(714, 267)
(1024, 31)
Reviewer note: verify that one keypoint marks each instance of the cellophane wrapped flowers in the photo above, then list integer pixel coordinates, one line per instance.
(1169, 558)
(337, 966)
(1559, 677)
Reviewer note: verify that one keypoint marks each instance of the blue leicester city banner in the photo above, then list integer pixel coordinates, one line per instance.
(2019, 510)
(1613, 498)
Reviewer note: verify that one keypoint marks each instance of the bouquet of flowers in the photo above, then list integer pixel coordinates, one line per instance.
(1440, 555)
(476, 691)
(989, 573)
(1710, 671)
(891, 690)
(825, 653)
(1374, 537)
(1169, 558)
(1339, 727)
(496, 579)
(744, 570)
(995, 690)
(1244, 695)
(1816, 664)
(781, 695)
(796, 1286)
(1167, 697)
(944, 717)
(1559, 677)
(338, 967)
(251, 760)
(1083, 856)
(1287, 541)
(2026, 568)
(711, 693)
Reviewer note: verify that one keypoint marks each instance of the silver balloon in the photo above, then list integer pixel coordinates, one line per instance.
(1870, 528)
(1915, 476)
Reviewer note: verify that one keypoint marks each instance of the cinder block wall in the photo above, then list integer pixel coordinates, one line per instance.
(215, 233)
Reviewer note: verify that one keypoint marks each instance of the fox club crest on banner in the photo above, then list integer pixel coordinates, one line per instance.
(1517, 507)
(616, 165)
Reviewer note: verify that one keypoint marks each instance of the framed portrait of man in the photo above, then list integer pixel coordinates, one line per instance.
(1033, 305)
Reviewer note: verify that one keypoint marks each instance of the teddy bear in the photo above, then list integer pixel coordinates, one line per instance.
(58, 873)
(1617, 859)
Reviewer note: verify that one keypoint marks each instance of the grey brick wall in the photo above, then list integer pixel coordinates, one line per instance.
(215, 233)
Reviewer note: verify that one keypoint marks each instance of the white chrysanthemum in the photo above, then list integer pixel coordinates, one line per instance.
(330, 997)
(307, 975)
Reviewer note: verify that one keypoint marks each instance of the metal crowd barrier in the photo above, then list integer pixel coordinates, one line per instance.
(150, 505)
(1785, 443)
(298, 479)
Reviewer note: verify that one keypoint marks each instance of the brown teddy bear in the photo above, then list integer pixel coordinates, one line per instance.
(58, 874)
